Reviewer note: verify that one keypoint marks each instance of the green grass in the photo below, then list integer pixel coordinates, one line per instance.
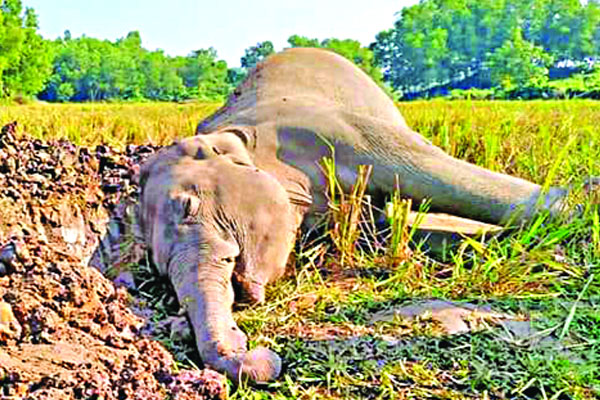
(317, 318)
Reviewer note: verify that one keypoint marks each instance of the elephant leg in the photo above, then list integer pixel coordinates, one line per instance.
(401, 157)
(201, 275)
(424, 171)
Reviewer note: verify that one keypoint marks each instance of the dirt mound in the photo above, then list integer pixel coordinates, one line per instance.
(65, 331)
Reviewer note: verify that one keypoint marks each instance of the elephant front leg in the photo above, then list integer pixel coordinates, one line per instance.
(201, 275)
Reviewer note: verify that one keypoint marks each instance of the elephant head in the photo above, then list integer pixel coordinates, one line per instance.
(215, 222)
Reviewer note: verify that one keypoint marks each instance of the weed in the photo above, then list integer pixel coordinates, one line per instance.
(345, 211)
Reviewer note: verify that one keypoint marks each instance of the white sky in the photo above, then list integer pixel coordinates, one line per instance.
(180, 26)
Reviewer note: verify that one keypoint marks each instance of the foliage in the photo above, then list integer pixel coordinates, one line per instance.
(88, 69)
(451, 43)
(519, 63)
(516, 48)
(235, 76)
(584, 85)
(204, 76)
(579, 85)
(255, 54)
(91, 69)
(25, 58)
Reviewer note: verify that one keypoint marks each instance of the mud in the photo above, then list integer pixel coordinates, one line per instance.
(66, 332)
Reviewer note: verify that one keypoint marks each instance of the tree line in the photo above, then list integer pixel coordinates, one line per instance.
(476, 48)
(515, 47)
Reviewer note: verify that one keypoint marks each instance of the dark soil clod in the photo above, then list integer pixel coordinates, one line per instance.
(65, 331)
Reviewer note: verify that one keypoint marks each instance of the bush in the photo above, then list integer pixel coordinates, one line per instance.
(473, 94)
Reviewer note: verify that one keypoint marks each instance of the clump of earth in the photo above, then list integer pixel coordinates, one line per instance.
(66, 331)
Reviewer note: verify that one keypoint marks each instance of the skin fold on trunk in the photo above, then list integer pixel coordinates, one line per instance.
(201, 272)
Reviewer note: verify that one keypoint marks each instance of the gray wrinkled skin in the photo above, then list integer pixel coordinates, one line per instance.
(297, 102)
(220, 210)
(213, 220)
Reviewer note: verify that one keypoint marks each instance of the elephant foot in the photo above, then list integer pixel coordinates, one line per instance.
(256, 366)
(230, 357)
(260, 365)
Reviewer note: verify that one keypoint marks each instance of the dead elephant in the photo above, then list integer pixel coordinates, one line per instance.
(213, 220)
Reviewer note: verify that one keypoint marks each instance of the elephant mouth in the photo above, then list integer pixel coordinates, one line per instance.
(247, 290)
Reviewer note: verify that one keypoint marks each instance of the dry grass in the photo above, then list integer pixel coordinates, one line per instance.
(317, 319)
(114, 124)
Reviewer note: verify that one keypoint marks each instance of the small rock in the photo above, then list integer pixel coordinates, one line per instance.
(9, 325)
(454, 318)
(8, 254)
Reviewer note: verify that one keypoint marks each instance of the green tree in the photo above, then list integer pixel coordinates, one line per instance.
(124, 63)
(65, 91)
(303, 41)
(11, 36)
(161, 81)
(206, 74)
(413, 53)
(519, 63)
(25, 58)
(255, 54)
(446, 43)
(88, 69)
(235, 76)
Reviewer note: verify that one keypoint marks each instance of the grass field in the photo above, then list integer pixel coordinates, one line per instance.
(115, 124)
(318, 318)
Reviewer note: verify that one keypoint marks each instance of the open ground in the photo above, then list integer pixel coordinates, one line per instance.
(320, 318)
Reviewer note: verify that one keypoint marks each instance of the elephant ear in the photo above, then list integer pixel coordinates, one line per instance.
(246, 133)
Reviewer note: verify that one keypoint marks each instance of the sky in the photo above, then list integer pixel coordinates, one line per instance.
(230, 26)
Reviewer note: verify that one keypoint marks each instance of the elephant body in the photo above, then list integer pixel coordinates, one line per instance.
(298, 103)
(220, 209)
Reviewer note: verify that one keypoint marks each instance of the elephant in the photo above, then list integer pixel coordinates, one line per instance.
(214, 222)
(220, 210)
(302, 104)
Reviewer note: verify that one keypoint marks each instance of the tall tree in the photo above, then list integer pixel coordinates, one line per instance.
(448, 42)
(255, 54)
(519, 63)
(25, 58)
(88, 69)
(204, 75)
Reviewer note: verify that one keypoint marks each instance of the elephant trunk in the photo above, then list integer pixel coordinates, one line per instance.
(457, 187)
(203, 286)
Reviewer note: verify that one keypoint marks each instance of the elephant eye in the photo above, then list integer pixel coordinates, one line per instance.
(217, 151)
(191, 206)
(200, 155)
